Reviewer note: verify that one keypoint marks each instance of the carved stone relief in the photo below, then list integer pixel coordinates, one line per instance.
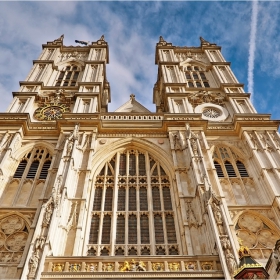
(203, 96)
(181, 56)
(77, 55)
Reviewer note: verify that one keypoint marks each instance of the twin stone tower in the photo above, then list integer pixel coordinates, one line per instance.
(133, 194)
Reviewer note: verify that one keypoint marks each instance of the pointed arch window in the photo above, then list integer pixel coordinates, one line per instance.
(34, 165)
(196, 77)
(141, 217)
(68, 77)
(32, 161)
(239, 188)
(228, 164)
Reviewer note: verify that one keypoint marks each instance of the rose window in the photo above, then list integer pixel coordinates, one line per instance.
(211, 113)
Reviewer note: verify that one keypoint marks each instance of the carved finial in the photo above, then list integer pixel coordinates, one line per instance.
(203, 41)
(161, 39)
(102, 38)
(132, 96)
(61, 37)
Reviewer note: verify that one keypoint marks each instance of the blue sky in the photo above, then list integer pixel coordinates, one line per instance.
(132, 30)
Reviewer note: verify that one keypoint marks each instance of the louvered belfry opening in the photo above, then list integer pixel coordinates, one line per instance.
(227, 162)
(241, 169)
(34, 164)
(230, 170)
(237, 185)
(45, 169)
(33, 169)
(219, 169)
(20, 169)
(133, 216)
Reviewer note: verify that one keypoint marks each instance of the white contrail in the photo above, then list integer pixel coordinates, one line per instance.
(252, 46)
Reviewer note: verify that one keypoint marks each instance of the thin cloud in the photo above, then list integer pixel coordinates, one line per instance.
(252, 47)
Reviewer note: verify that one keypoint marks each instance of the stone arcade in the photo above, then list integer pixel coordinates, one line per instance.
(87, 193)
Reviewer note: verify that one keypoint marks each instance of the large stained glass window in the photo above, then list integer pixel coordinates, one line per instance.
(133, 216)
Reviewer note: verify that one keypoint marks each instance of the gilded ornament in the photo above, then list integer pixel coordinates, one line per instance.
(133, 266)
(206, 266)
(50, 112)
(174, 266)
(91, 267)
(58, 267)
(190, 266)
(157, 266)
(109, 267)
(74, 267)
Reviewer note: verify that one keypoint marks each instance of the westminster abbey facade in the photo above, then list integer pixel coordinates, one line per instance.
(133, 194)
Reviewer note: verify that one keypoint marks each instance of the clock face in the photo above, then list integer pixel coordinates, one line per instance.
(50, 112)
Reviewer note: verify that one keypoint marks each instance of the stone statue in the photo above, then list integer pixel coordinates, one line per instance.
(33, 263)
(48, 212)
(230, 262)
(40, 241)
(176, 142)
(225, 242)
(194, 146)
(218, 218)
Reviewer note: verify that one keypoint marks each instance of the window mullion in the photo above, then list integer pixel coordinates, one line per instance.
(115, 205)
(138, 203)
(150, 206)
(102, 212)
(126, 202)
(37, 176)
(29, 162)
(162, 210)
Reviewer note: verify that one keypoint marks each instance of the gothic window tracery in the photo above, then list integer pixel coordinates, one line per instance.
(14, 232)
(143, 207)
(68, 76)
(196, 77)
(28, 179)
(227, 165)
(238, 186)
(256, 234)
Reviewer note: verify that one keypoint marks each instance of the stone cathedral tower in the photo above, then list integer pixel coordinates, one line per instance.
(87, 193)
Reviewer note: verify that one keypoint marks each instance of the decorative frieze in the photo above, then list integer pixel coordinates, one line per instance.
(182, 56)
(77, 55)
(132, 117)
(137, 265)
